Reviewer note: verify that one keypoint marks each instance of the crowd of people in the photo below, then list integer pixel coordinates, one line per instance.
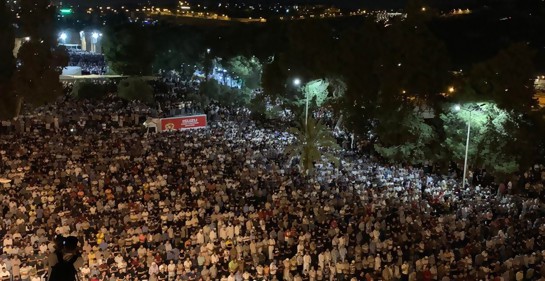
(225, 203)
(90, 63)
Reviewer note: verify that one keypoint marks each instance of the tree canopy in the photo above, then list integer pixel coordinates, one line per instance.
(7, 67)
(89, 90)
(313, 141)
(177, 48)
(129, 49)
(247, 69)
(506, 79)
(490, 136)
(41, 59)
(7, 44)
(135, 89)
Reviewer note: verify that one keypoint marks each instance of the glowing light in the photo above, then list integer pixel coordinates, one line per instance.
(65, 11)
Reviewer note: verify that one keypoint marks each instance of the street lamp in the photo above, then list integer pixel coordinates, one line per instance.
(457, 108)
(297, 83)
(63, 36)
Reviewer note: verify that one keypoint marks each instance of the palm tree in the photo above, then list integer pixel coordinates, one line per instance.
(311, 143)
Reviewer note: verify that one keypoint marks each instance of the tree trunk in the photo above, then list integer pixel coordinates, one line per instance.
(19, 106)
(339, 122)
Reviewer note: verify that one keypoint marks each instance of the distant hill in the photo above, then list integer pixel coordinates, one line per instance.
(367, 4)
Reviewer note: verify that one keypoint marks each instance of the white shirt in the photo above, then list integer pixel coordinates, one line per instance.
(4, 274)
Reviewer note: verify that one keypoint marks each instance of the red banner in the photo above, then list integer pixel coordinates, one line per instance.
(183, 123)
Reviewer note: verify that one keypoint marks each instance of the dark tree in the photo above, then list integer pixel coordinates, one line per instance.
(309, 55)
(7, 44)
(7, 61)
(135, 89)
(390, 73)
(506, 79)
(177, 48)
(413, 63)
(89, 90)
(359, 49)
(128, 49)
(36, 80)
(412, 70)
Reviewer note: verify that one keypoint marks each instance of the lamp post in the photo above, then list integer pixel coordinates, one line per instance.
(458, 108)
(467, 150)
(208, 64)
(63, 36)
(297, 83)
